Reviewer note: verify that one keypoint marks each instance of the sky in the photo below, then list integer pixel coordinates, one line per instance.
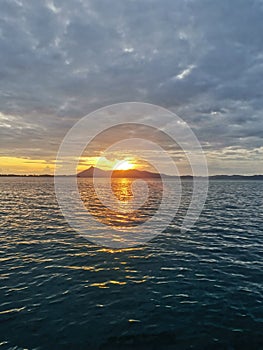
(62, 59)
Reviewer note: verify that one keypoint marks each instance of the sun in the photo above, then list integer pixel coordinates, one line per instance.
(123, 165)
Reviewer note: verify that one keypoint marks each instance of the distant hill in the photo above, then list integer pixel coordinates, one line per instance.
(132, 173)
(90, 172)
(142, 174)
(236, 177)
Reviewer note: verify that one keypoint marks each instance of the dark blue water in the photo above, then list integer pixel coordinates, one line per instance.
(197, 290)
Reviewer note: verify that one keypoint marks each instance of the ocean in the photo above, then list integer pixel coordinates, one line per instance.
(200, 289)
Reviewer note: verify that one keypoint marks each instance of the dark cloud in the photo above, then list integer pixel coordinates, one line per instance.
(61, 59)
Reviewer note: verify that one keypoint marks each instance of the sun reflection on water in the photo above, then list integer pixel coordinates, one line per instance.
(124, 215)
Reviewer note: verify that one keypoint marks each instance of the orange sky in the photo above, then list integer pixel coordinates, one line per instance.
(23, 166)
(17, 165)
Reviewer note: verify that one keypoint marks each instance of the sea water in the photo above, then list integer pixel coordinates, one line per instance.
(201, 289)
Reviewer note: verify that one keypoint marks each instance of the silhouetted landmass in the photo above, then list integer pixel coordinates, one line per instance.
(132, 173)
(226, 177)
(236, 177)
(141, 174)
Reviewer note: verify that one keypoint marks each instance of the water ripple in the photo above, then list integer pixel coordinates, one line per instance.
(196, 290)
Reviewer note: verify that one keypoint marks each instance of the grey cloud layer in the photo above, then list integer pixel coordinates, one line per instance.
(61, 59)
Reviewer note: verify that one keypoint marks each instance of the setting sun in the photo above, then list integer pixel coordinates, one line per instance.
(123, 165)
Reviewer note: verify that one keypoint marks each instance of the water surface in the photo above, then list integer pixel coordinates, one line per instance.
(197, 290)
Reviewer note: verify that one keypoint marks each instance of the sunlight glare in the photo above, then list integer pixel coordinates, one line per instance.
(123, 165)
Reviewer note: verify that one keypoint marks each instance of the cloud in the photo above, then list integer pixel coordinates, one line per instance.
(184, 73)
(62, 59)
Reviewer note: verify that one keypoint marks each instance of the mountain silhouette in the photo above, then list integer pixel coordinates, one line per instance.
(143, 174)
(131, 173)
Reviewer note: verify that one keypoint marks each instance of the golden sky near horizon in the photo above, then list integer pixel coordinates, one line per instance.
(96, 154)
(24, 166)
(18, 165)
(99, 153)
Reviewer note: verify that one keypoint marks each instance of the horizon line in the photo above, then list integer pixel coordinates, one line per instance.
(172, 176)
(125, 171)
